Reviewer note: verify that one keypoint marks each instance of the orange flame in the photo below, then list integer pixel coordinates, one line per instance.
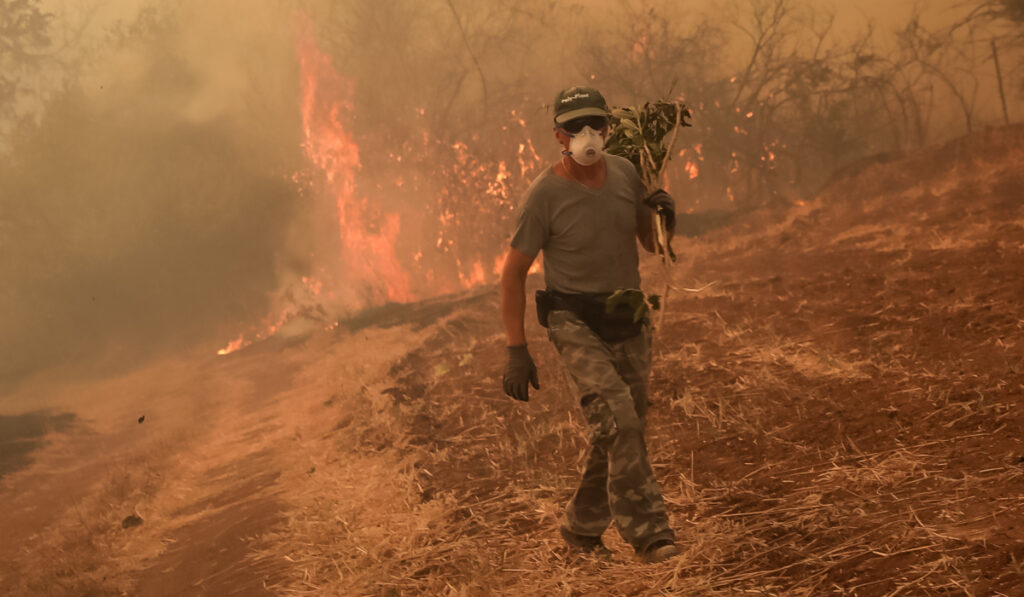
(692, 170)
(536, 267)
(232, 346)
(367, 256)
(363, 269)
(474, 278)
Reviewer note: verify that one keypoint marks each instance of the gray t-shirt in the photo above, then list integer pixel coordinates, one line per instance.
(588, 235)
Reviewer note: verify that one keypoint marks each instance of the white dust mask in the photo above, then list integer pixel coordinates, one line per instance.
(586, 146)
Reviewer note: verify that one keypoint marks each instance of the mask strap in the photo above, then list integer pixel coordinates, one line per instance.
(567, 134)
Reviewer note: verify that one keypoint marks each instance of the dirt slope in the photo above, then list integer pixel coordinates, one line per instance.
(838, 413)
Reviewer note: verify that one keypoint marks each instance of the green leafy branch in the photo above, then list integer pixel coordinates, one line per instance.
(645, 136)
(639, 135)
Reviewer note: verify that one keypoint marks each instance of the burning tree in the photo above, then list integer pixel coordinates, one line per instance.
(781, 100)
(450, 149)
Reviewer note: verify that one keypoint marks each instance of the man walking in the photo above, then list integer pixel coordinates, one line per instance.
(586, 212)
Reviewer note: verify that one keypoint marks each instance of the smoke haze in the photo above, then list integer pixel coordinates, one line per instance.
(149, 206)
(166, 196)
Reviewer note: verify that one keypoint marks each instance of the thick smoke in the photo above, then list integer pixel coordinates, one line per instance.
(148, 208)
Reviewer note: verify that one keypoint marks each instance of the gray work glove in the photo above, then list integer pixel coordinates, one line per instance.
(663, 203)
(520, 373)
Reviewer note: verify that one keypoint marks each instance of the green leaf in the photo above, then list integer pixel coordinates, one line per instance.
(630, 297)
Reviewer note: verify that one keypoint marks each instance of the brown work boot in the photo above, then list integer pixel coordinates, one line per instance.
(585, 544)
(659, 551)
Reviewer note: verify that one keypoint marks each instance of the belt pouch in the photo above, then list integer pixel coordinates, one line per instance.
(545, 304)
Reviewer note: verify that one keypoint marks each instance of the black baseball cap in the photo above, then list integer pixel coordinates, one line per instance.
(574, 102)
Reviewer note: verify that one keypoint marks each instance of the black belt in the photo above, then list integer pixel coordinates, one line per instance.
(592, 309)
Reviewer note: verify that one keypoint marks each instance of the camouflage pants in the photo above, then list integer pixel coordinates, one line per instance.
(618, 482)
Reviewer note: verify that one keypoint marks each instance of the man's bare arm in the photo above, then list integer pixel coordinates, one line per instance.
(513, 295)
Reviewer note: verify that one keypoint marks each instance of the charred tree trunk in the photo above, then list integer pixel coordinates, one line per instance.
(999, 79)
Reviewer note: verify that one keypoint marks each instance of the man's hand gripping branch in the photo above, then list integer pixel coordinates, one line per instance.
(664, 208)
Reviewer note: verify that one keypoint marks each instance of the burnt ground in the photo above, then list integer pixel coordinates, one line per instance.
(22, 434)
(836, 409)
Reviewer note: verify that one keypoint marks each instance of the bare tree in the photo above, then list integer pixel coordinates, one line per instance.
(1003, 25)
(24, 37)
(999, 10)
(945, 61)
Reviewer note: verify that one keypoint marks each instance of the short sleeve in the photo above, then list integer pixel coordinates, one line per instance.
(530, 233)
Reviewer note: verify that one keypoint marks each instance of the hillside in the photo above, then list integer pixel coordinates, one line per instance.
(836, 409)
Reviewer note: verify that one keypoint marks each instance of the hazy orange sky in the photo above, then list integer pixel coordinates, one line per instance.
(850, 13)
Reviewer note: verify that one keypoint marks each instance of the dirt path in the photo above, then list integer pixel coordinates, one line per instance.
(204, 470)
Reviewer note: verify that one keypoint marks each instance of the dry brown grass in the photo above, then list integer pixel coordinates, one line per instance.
(472, 508)
(78, 552)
